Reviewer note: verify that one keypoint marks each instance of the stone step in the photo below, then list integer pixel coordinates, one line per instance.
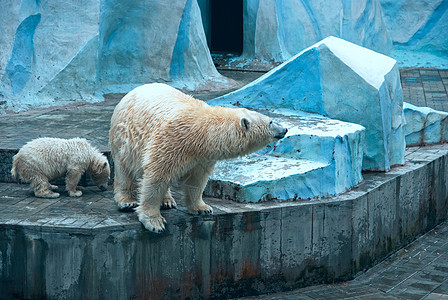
(318, 157)
(257, 177)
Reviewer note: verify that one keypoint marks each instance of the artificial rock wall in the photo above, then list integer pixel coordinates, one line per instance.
(275, 30)
(54, 52)
(417, 25)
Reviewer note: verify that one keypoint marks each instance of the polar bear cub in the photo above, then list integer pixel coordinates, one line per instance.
(45, 159)
(158, 135)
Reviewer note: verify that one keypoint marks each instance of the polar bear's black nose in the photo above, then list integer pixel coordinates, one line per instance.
(281, 134)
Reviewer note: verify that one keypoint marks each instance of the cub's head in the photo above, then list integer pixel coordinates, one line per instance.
(259, 130)
(100, 172)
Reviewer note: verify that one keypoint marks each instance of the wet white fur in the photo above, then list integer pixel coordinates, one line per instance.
(158, 134)
(45, 159)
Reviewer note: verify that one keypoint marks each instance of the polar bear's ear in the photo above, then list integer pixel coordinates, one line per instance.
(245, 123)
(100, 166)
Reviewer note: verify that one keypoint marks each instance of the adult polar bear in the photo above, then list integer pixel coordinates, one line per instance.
(158, 134)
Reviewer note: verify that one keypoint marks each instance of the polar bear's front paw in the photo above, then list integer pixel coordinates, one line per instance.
(152, 223)
(203, 209)
(46, 194)
(127, 206)
(75, 194)
(168, 202)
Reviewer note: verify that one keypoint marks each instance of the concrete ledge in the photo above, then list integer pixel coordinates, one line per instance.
(85, 248)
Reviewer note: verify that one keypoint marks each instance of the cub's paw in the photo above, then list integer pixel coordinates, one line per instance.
(127, 206)
(168, 202)
(48, 194)
(53, 187)
(75, 194)
(203, 209)
(152, 223)
(79, 188)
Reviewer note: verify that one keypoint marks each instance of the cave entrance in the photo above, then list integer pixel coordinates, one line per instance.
(226, 26)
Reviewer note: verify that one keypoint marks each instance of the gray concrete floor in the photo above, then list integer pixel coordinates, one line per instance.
(418, 271)
(425, 87)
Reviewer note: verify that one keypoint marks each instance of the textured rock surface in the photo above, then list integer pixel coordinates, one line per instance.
(41, 39)
(56, 52)
(417, 25)
(343, 81)
(411, 31)
(425, 125)
(418, 30)
(318, 157)
(153, 40)
(60, 51)
(275, 30)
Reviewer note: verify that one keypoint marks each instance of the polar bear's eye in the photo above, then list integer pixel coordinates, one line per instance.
(270, 123)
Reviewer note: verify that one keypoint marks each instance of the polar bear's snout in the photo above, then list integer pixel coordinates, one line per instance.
(101, 184)
(279, 130)
(281, 134)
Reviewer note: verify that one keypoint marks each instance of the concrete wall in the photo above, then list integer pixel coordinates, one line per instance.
(241, 250)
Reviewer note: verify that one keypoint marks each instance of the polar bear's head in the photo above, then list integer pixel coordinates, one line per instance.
(261, 123)
(100, 171)
(230, 132)
(259, 130)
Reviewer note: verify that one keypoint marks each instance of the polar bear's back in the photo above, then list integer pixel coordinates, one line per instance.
(153, 101)
(145, 112)
(49, 149)
(148, 109)
(51, 157)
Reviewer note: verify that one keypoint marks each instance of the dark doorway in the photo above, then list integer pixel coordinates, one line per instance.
(227, 26)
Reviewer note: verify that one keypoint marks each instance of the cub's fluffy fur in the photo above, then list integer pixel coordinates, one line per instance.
(46, 159)
(158, 134)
